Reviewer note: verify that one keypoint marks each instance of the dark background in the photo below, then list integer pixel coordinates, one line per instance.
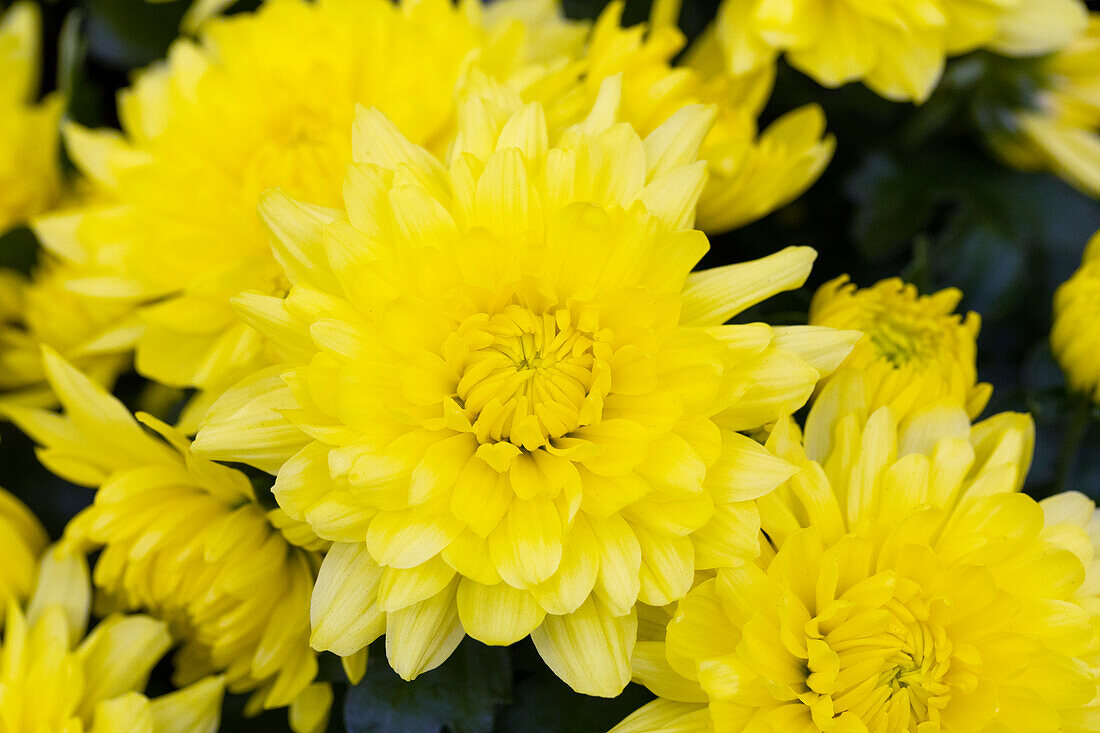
(912, 191)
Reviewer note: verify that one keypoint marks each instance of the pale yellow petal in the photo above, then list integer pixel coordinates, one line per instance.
(712, 297)
(344, 613)
(420, 637)
(590, 648)
(498, 614)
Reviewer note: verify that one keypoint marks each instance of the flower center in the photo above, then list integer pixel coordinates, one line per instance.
(531, 377)
(915, 675)
(902, 338)
(913, 655)
(304, 153)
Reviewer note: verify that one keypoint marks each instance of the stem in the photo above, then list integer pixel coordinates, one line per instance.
(1071, 445)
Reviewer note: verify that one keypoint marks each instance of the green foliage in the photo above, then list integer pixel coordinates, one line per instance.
(462, 696)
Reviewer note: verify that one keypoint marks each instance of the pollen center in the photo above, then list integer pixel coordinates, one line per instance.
(913, 655)
(903, 338)
(915, 676)
(533, 377)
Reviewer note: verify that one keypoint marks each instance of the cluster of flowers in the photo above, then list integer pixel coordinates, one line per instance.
(466, 339)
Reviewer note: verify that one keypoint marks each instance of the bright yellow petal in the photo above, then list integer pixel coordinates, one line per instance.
(589, 649)
(499, 614)
(712, 297)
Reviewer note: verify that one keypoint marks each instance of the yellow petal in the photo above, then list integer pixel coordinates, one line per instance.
(745, 470)
(245, 424)
(712, 297)
(344, 612)
(118, 656)
(566, 589)
(481, 497)
(1038, 27)
(403, 587)
(666, 716)
(590, 648)
(468, 554)
(618, 580)
(526, 547)
(194, 709)
(651, 668)
(731, 536)
(298, 238)
(668, 567)
(408, 538)
(355, 666)
(420, 637)
(497, 615)
(822, 348)
(129, 713)
(63, 583)
(310, 710)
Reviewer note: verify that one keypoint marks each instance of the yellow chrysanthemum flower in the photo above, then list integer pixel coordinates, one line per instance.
(186, 541)
(916, 349)
(30, 176)
(23, 540)
(1075, 338)
(53, 678)
(268, 98)
(896, 47)
(506, 399)
(1060, 133)
(93, 334)
(750, 175)
(905, 584)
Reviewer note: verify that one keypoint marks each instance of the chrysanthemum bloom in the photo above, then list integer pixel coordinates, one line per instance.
(915, 350)
(895, 47)
(1060, 132)
(1075, 338)
(53, 678)
(268, 98)
(30, 177)
(904, 585)
(506, 399)
(93, 334)
(23, 540)
(186, 541)
(750, 175)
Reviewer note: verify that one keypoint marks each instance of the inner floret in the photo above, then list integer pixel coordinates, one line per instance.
(529, 376)
(904, 337)
(913, 655)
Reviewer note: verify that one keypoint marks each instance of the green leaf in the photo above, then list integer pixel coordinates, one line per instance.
(125, 34)
(545, 704)
(462, 695)
(894, 204)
